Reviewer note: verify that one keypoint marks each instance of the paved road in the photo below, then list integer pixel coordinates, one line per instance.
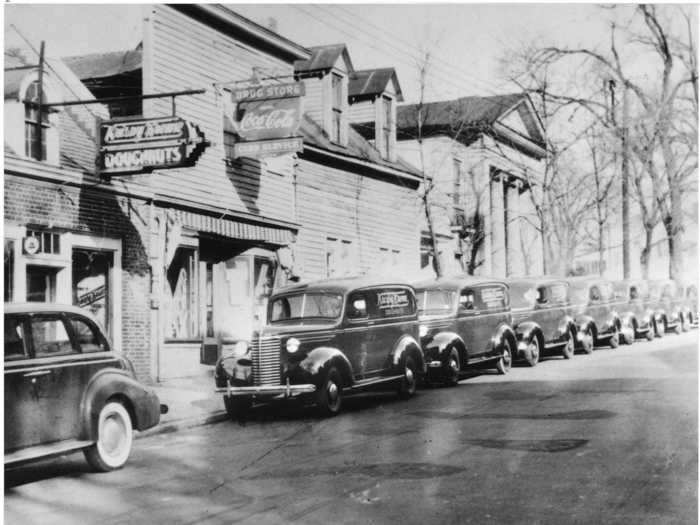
(605, 438)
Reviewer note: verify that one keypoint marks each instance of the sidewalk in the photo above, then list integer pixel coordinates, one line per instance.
(191, 402)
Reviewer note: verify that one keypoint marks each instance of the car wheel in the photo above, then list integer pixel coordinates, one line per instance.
(409, 380)
(658, 332)
(506, 360)
(114, 438)
(237, 407)
(684, 322)
(568, 350)
(587, 341)
(627, 334)
(650, 332)
(614, 340)
(329, 398)
(451, 368)
(532, 354)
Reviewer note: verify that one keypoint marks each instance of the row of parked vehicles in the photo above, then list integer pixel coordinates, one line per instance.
(327, 339)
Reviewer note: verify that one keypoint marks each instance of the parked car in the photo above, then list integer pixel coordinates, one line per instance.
(636, 318)
(324, 340)
(541, 318)
(664, 301)
(66, 390)
(691, 303)
(593, 307)
(464, 321)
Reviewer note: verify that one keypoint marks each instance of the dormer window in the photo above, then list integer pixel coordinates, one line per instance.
(337, 107)
(33, 127)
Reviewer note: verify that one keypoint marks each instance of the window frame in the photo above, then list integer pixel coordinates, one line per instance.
(33, 123)
(50, 316)
(337, 108)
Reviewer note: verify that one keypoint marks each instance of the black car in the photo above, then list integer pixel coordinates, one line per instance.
(594, 309)
(324, 340)
(636, 318)
(541, 318)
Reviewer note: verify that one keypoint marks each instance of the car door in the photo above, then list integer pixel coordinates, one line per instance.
(358, 340)
(22, 417)
(392, 317)
(467, 324)
(491, 310)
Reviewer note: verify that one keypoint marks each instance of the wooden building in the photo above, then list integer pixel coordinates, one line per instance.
(189, 255)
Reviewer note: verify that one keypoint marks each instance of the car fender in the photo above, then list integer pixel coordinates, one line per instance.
(442, 343)
(318, 360)
(505, 332)
(566, 326)
(407, 345)
(585, 321)
(141, 402)
(525, 330)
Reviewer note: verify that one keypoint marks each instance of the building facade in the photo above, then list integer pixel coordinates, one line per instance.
(178, 263)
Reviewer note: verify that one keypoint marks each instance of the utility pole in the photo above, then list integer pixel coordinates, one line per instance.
(40, 108)
(624, 143)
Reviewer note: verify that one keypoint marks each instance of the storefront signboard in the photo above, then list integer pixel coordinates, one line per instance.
(267, 118)
(142, 145)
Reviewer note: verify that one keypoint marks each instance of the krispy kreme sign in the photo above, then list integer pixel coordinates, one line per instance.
(267, 113)
(141, 145)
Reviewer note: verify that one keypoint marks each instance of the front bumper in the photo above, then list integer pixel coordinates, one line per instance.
(287, 390)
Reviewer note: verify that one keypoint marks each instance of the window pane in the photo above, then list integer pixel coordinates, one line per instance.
(14, 338)
(50, 337)
(183, 301)
(9, 270)
(41, 284)
(87, 337)
(394, 303)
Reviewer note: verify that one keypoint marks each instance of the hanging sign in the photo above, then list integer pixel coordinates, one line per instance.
(267, 118)
(142, 145)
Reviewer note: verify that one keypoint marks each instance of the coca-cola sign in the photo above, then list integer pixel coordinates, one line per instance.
(267, 113)
(141, 145)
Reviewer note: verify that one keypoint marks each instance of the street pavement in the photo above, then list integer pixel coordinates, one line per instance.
(604, 438)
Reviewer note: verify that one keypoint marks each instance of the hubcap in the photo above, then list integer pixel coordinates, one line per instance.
(113, 435)
(409, 376)
(453, 366)
(332, 390)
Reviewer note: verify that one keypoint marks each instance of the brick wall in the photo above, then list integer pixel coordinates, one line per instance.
(98, 213)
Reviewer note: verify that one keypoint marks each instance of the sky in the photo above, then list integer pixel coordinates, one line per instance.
(467, 40)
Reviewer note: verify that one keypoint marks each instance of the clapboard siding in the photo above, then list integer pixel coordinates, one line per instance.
(313, 100)
(364, 111)
(370, 213)
(188, 54)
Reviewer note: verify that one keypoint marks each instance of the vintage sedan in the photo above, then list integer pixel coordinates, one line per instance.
(465, 321)
(324, 340)
(594, 309)
(541, 318)
(665, 301)
(636, 318)
(66, 390)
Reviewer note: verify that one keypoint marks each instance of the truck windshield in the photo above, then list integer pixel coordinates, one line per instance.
(305, 306)
(435, 302)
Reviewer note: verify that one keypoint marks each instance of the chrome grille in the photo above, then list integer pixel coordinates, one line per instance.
(266, 361)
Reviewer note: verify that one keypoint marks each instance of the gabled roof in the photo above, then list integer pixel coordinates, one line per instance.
(322, 59)
(357, 147)
(467, 118)
(372, 82)
(13, 80)
(101, 65)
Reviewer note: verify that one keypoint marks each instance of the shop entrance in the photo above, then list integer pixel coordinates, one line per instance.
(91, 286)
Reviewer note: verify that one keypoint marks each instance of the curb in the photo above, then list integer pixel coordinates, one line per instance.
(181, 424)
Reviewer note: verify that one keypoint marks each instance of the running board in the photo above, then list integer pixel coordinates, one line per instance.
(46, 451)
(365, 383)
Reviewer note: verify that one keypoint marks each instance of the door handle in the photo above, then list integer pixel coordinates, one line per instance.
(37, 373)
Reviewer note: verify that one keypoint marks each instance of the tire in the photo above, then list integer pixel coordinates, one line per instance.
(614, 340)
(657, 332)
(506, 360)
(569, 347)
(627, 334)
(114, 438)
(409, 381)
(329, 398)
(451, 368)
(532, 355)
(237, 407)
(588, 342)
(650, 332)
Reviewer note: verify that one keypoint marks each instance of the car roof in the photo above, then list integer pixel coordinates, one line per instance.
(36, 308)
(456, 281)
(341, 284)
(535, 281)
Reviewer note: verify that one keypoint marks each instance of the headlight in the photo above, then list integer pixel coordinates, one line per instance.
(238, 349)
(292, 345)
(422, 330)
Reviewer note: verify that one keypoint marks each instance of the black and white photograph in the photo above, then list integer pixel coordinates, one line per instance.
(358, 263)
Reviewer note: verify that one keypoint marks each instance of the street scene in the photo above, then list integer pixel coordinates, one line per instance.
(603, 438)
(359, 263)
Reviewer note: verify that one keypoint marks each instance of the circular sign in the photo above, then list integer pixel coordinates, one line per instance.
(31, 245)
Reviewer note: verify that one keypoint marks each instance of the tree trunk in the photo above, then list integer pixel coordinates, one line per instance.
(646, 251)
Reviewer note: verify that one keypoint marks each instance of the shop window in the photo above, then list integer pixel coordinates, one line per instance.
(337, 107)
(41, 284)
(91, 290)
(50, 337)
(34, 128)
(182, 315)
(9, 274)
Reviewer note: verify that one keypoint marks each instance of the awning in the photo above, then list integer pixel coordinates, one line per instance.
(234, 229)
